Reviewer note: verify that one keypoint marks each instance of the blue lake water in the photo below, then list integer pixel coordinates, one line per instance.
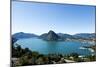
(54, 47)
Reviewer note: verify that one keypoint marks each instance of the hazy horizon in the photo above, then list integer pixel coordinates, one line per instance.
(39, 18)
(52, 30)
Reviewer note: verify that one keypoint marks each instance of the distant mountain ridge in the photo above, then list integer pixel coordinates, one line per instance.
(85, 35)
(52, 36)
(21, 35)
(64, 36)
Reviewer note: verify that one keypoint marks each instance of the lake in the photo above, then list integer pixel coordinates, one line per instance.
(54, 47)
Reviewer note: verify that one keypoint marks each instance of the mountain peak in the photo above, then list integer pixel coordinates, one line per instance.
(50, 36)
(51, 32)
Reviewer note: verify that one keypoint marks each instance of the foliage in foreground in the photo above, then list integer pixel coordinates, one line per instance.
(28, 57)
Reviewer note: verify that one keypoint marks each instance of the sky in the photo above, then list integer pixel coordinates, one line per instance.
(39, 18)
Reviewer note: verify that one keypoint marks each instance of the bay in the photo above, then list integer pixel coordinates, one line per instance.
(54, 47)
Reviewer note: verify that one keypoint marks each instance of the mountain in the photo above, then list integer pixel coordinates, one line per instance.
(85, 35)
(21, 35)
(50, 36)
(64, 36)
(43, 36)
